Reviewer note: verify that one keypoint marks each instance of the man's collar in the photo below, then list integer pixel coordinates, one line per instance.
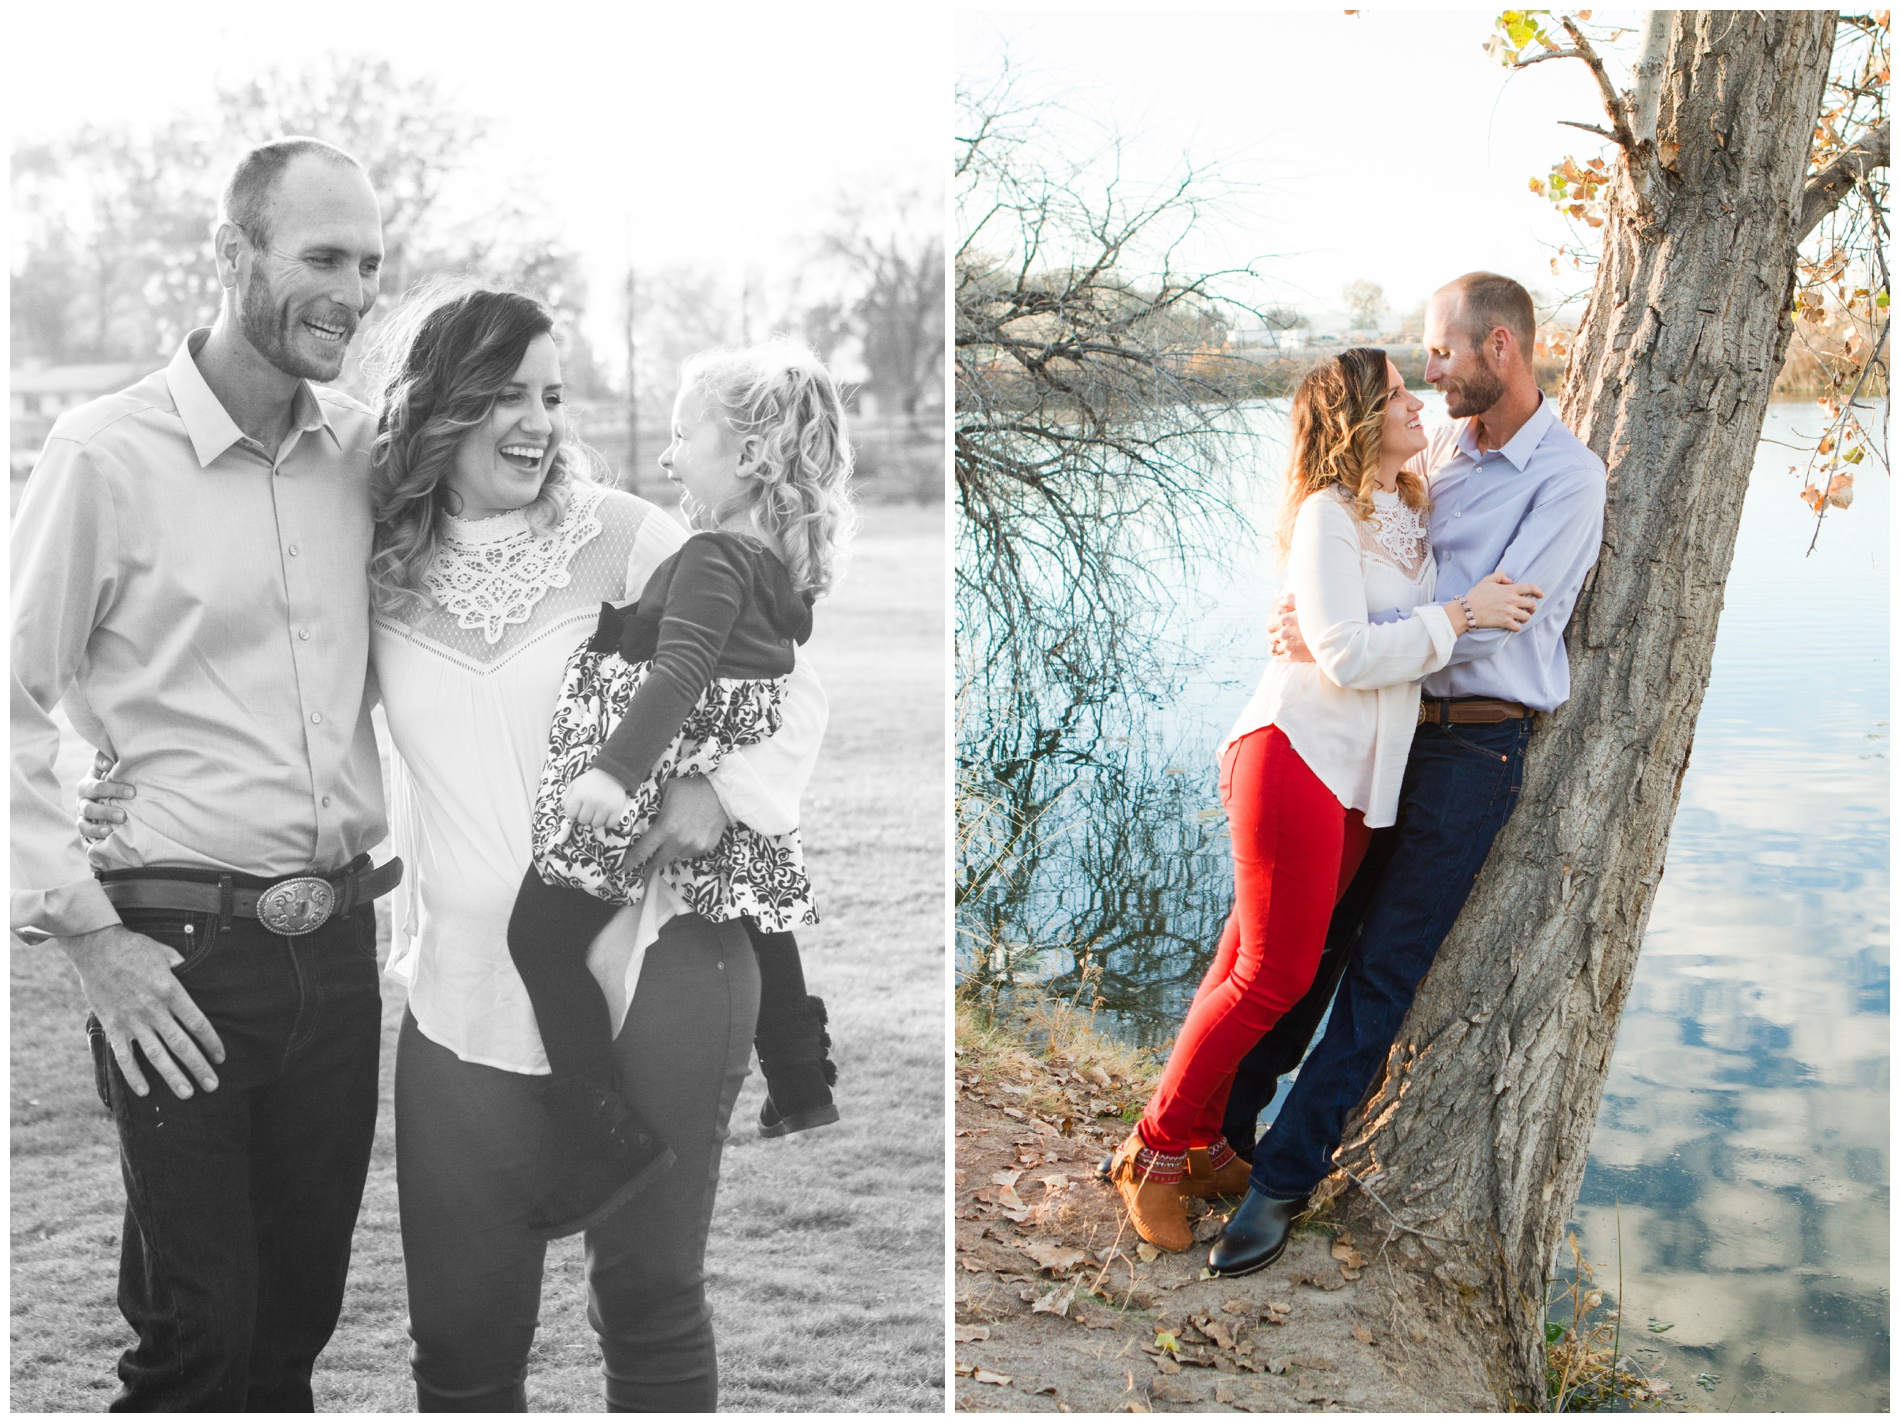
(208, 423)
(1521, 446)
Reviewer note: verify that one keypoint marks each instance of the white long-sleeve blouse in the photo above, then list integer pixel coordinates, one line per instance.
(469, 685)
(1350, 712)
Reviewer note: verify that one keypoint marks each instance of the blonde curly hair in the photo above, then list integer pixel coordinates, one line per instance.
(781, 392)
(1337, 437)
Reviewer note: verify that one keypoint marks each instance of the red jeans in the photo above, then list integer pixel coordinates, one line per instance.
(1296, 849)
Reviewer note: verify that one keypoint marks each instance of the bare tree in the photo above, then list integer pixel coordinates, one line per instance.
(1094, 399)
(1472, 1149)
(1364, 301)
(886, 256)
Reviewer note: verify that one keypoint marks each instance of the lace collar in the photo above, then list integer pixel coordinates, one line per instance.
(490, 573)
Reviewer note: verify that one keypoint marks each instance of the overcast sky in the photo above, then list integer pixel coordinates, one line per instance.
(1385, 145)
(709, 134)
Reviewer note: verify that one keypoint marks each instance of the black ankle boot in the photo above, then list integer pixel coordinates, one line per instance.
(1255, 1235)
(799, 1074)
(603, 1156)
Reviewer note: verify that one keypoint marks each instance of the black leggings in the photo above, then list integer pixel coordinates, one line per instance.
(549, 934)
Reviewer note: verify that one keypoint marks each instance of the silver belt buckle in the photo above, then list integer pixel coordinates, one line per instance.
(297, 906)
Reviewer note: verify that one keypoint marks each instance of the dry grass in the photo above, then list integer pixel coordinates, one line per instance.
(827, 1247)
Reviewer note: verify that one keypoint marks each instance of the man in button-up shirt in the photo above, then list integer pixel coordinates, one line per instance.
(188, 579)
(1513, 491)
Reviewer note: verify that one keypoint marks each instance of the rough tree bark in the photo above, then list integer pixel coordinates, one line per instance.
(1477, 1137)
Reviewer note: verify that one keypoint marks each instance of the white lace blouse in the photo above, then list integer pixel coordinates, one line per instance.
(468, 687)
(1350, 712)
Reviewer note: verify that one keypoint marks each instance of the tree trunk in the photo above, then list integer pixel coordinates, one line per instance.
(1478, 1135)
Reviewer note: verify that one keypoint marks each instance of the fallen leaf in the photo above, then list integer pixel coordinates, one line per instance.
(1056, 1302)
(972, 1333)
(974, 1267)
(1097, 1076)
(1147, 1252)
(1166, 1365)
(1219, 1333)
(965, 1370)
(985, 1376)
(1233, 1306)
(1012, 1112)
(1168, 1340)
(1350, 1256)
(1054, 1258)
(1207, 1227)
(1278, 1308)
(1005, 1178)
(1348, 1273)
(1362, 1334)
(1007, 1198)
(1055, 1181)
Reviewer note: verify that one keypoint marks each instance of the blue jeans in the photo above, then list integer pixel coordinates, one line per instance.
(1461, 784)
(469, 1145)
(240, 1202)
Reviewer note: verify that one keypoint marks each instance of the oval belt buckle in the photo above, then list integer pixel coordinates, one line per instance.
(297, 906)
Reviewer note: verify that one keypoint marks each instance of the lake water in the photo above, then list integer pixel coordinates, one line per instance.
(1743, 1140)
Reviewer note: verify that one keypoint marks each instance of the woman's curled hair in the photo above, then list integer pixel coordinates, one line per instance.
(1337, 436)
(437, 366)
(781, 393)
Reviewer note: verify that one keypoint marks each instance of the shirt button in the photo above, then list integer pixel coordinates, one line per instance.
(304, 634)
(293, 550)
(326, 800)
(316, 716)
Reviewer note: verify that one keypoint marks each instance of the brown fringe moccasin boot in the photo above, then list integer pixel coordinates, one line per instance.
(1150, 1185)
(1216, 1170)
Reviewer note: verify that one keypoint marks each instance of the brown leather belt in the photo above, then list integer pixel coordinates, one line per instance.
(1469, 711)
(293, 905)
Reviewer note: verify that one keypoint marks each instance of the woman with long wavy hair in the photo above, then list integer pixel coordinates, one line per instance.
(494, 552)
(1313, 765)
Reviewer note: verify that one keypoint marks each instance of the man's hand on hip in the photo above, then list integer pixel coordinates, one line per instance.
(689, 824)
(1283, 632)
(130, 987)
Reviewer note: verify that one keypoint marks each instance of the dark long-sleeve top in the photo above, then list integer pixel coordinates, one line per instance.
(723, 606)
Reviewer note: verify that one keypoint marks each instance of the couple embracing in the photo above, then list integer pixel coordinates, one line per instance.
(1430, 576)
(602, 732)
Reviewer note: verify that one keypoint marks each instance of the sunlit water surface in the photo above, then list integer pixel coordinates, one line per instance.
(1743, 1140)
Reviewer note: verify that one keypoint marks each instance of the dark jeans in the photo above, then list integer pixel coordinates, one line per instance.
(240, 1202)
(469, 1141)
(549, 933)
(1461, 784)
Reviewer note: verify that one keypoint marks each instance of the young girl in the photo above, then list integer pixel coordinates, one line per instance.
(667, 687)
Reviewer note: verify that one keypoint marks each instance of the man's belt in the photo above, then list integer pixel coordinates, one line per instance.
(293, 905)
(1469, 711)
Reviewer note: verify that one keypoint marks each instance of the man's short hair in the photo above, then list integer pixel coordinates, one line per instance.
(248, 193)
(1487, 301)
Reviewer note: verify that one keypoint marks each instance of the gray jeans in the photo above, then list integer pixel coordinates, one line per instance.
(468, 1141)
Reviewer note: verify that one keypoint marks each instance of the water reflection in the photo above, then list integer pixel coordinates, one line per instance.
(1743, 1137)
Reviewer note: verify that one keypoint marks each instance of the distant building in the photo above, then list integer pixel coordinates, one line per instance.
(38, 396)
(1258, 338)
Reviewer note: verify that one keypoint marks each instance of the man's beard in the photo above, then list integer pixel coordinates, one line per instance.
(1475, 393)
(268, 329)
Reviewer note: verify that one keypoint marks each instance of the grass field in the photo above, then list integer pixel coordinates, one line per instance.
(827, 1248)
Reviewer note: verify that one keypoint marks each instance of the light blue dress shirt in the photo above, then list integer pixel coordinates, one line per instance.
(1534, 509)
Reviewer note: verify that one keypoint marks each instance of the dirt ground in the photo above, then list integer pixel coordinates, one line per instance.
(1058, 1311)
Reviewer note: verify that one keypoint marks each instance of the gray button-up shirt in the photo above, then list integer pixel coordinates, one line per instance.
(1534, 509)
(199, 604)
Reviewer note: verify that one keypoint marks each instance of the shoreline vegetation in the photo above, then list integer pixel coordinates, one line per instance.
(1061, 1308)
(1278, 373)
